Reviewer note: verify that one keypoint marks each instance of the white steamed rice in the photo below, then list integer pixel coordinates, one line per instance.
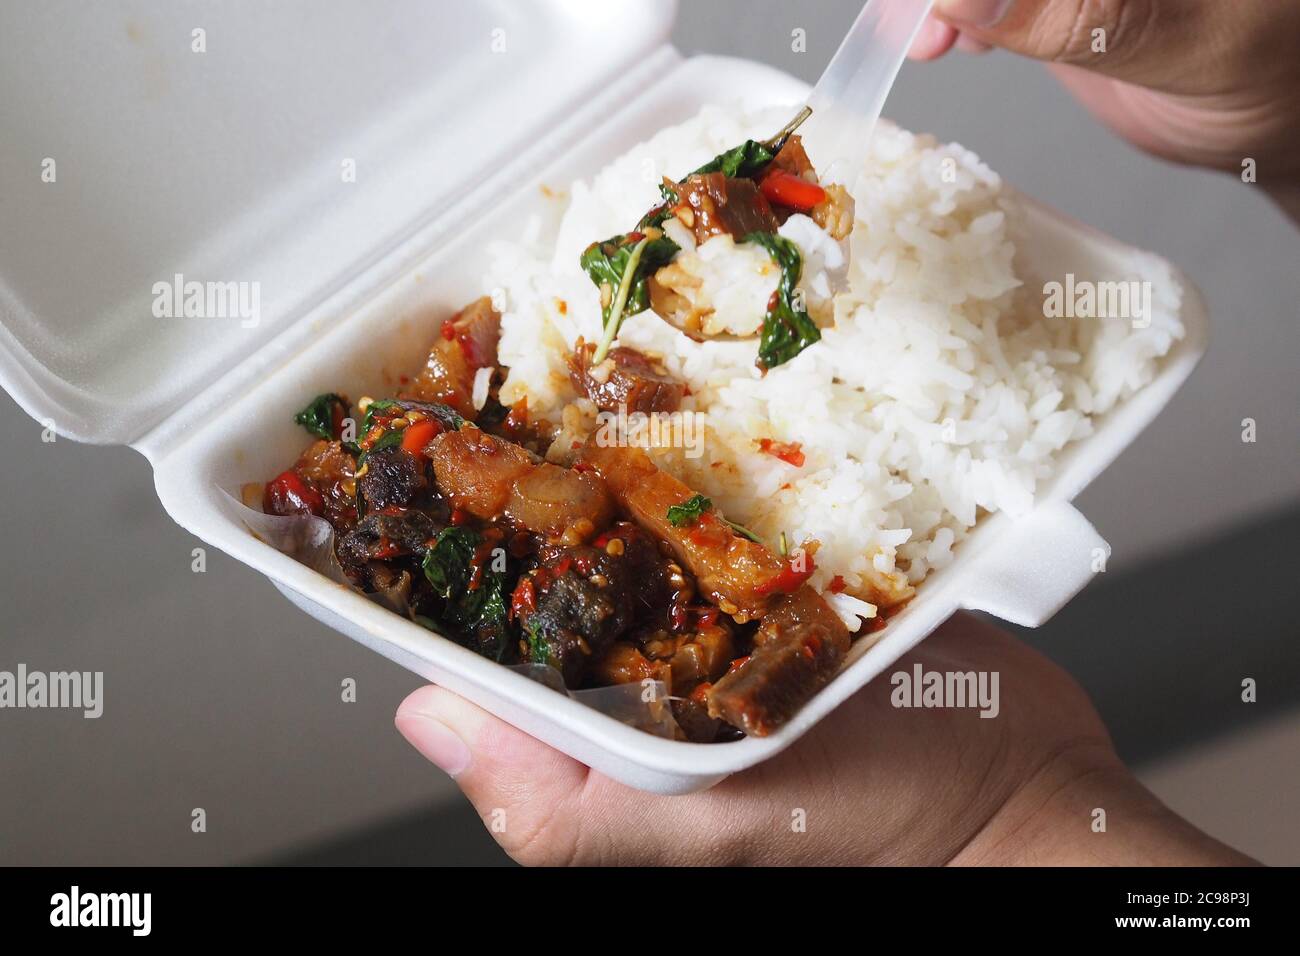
(940, 393)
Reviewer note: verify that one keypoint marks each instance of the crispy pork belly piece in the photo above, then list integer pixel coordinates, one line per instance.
(740, 576)
(711, 204)
(466, 343)
(799, 647)
(626, 378)
(695, 657)
(321, 482)
(624, 663)
(550, 499)
(477, 329)
(835, 212)
(793, 159)
(477, 471)
(487, 477)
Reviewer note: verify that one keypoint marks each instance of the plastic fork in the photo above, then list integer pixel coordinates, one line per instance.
(847, 100)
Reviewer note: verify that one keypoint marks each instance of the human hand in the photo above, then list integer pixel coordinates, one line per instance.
(877, 784)
(1194, 81)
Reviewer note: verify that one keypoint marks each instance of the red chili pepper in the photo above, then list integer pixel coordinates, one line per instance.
(517, 420)
(789, 452)
(563, 566)
(418, 434)
(458, 517)
(791, 191)
(738, 663)
(469, 349)
(709, 532)
(523, 599)
(837, 584)
(288, 494)
(707, 616)
(789, 578)
(701, 693)
(448, 329)
(387, 549)
(645, 670)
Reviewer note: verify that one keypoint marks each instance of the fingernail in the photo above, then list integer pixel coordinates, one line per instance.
(979, 13)
(435, 740)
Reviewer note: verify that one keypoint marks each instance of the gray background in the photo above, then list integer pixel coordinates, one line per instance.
(220, 695)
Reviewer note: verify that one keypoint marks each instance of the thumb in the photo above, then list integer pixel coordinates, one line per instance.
(526, 792)
(1139, 41)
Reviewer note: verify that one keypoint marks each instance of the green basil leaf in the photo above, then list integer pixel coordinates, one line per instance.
(539, 652)
(689, 511)
(447, 564)
(480, 613)
(368, 422)
(445, 415)
(607, 262)
(387, 440)
(787, 329)
(660, 214)
(321, 416)
(748, 159)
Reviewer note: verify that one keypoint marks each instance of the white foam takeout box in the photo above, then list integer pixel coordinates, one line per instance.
(226, 165)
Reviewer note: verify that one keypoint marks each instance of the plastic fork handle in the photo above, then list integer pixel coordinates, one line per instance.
(847, 100)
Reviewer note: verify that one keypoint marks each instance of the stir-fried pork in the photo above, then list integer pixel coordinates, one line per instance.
(627, 378)
(797, 650)
(477, 471)
(467, 343)
(391, 476)
(741, 576)
(713, 204)
(523, 560)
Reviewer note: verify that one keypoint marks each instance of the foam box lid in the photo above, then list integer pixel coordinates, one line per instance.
(284, 144)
